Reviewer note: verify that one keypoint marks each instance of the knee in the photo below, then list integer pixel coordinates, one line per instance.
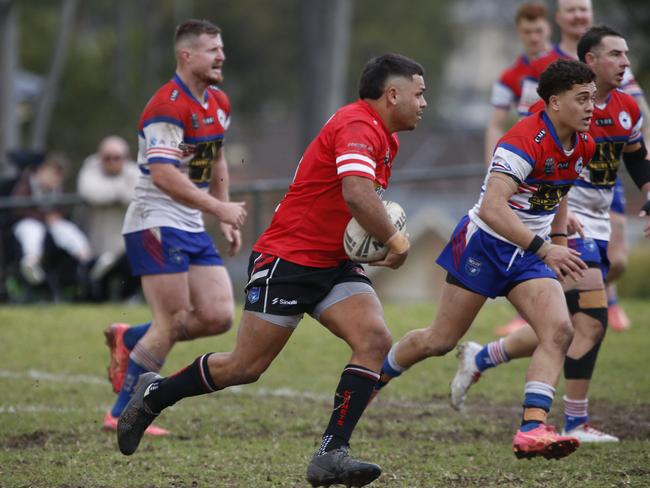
(436, 345)
(215, 320)
(563, 335)
(376, 343)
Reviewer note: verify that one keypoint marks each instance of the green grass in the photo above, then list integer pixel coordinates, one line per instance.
(262, 435)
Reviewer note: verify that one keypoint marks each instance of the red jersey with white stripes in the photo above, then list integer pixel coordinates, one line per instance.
(532, 155)
(176, 128)
(310, 221)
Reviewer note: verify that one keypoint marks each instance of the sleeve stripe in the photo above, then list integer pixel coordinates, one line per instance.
(164, 120)
(346, 168)
(164, 150)
(163, 160)
(358, 157)
(518, 152)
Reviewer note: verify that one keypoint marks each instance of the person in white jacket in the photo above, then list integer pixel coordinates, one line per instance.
(106, 183)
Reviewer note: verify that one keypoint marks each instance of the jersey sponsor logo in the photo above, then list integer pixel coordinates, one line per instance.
(604, 165)
(579, 165)
(208, 120)
(547, 197)
(174, 95)
(604, 122)
(284, 301)
(253, 295)
(195, 121)
(549, 166)
(540, 135)
(387, 160)
(360, 145)
(473, 267)
(563, 165)
(625, 120)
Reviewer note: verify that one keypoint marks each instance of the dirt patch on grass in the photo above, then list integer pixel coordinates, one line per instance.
(38, 439)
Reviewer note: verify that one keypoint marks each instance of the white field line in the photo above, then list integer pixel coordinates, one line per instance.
(260, 392)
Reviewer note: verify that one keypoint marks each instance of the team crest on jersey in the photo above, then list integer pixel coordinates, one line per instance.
(253, 294)
(195, 121)
(473, 267)
(579, 165)
(548, 166)
(625, 120)
(174, 95)
(223, 118)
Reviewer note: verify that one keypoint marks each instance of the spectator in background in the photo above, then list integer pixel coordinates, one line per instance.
(41, 231)
(106, 183)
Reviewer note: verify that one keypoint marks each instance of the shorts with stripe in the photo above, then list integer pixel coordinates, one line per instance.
(162, 250)
(281, 288)
(487, 265)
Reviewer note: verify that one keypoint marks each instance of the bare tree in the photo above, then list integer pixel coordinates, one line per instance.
(45, 104)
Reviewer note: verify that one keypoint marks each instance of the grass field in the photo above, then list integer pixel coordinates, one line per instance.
(53, 395)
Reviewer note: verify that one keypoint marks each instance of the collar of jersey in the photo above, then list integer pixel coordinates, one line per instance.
(564, 55)
(551, 129)
(375, 114)
(177, 79)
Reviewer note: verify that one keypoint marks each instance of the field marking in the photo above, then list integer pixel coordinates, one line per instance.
(248, 390)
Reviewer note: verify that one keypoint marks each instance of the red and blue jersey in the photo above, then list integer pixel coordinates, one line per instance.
(507, 90)
(310, 221)
(614, 124)
(176, 128)
(529, 84)
(532, 155)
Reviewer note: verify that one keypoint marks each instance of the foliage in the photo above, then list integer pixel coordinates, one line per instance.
(263, 49)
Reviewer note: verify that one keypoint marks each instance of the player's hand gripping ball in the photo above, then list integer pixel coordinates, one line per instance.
(361, 247)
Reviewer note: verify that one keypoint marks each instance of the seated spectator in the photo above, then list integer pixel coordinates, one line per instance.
(41, 231)
(106, 183)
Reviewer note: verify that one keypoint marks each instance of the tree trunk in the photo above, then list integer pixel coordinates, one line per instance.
(326, 42)
(8, 66)
(45, 104)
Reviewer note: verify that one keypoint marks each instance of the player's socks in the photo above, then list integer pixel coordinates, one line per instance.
(491, 355)
(352, 395)
(390, 369)
(134, 334)
(538, 398)
(192, 380)
(140, 361)
(576, 412)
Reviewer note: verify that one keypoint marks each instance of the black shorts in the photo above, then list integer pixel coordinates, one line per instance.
(279, 287)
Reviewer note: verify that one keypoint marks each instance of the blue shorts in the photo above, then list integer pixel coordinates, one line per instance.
(162, 250)
(618, 202)
(487, 265)
(593, 252)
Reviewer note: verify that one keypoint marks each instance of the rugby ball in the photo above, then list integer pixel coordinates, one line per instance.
(361, 247)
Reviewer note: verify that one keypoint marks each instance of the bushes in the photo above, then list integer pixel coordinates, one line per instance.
(635, 282)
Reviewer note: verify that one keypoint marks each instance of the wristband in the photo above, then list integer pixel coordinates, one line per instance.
(535, 244)
(559, 234)
(398, 243)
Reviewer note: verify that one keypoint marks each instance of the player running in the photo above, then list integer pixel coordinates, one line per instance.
(500, 249)
(183, 173)
(616, 128)
(299, 266)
